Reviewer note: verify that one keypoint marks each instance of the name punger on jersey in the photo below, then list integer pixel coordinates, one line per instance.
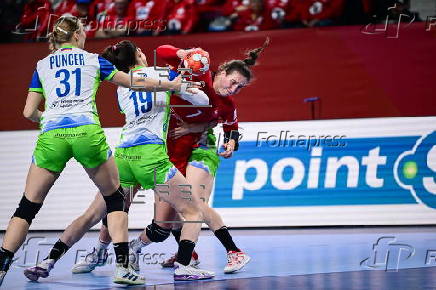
(69, 80)
(71, 59)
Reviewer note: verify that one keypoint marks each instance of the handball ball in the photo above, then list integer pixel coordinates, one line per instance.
(198, 61)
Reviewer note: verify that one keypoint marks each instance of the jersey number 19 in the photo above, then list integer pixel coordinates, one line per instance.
(141, 105)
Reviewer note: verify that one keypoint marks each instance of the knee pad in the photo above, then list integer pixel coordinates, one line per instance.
(27, 210)
(116, 201)
(156, 233)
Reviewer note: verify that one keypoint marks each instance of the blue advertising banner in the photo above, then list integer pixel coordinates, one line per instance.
(285, 172)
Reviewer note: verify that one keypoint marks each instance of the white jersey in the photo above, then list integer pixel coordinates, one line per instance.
(147, 113)
(69, 79)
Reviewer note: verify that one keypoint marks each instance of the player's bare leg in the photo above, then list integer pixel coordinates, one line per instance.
(38, 183)
(236, 259)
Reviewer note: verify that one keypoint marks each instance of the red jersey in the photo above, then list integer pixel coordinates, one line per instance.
(149, 14)
(230, 6)
(113, 20)
(36, 14)
(222, 108)
(315, 9)
(66, 6)
(204, 6)
(182, 16)
(248, 20)
(99, 7)
(273, 13)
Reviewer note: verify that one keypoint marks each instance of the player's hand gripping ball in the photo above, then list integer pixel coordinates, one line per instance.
(197, 60)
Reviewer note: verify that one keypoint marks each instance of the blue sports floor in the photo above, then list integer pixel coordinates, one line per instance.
(327, 258)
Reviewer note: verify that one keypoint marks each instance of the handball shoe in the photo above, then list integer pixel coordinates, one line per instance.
(96, 258)
(187, 273)
(235, 261)
(39, 271)
(127, 276)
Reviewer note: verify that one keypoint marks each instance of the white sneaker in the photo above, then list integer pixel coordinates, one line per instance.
(236, 261)
(2, 276)
(39, 271)
(91, 261)
(186, 273)
(127, 276)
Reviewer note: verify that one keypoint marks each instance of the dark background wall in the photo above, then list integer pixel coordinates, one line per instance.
(356, 75)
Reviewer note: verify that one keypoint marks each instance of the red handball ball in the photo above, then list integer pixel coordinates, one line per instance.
(198, 61)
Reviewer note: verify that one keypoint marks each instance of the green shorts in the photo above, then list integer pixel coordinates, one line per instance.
(206, 159)
(87, 144)
(145, 165)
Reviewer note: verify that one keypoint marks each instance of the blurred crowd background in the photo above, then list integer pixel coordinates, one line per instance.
(29, 20)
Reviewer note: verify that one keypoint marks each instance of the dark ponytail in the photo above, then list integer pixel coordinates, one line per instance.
(254, 53)
(122, 55)
(243, 66)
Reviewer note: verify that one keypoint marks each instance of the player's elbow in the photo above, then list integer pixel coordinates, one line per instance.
(27, 113)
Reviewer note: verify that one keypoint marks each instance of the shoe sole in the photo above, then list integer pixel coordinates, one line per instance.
(193, 264)
(191, 277)
(128, 282)
(241, 266)
(35, 273)
(82, 271)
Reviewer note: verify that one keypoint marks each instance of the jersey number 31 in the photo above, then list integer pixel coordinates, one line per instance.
(64, 76)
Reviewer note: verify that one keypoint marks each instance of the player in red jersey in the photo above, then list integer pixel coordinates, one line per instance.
(35, 18)
(196, 157)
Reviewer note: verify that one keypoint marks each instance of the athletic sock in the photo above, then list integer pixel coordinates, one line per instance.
(58, 250)
(122, 253)
(5, 259)
(137, 244)
(101, 245)
(226, 239)
(185, 252)
(177, 233)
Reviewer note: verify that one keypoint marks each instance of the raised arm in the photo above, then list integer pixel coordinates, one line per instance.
(108, 72)
(147, 84)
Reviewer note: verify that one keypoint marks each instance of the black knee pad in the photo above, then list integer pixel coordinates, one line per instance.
(27, 210)
(156, 233)
(116, 201)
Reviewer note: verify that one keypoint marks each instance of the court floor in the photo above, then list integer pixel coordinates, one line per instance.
(319, 258)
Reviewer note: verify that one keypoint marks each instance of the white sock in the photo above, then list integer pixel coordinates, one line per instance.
(101, 245)
(137, 244)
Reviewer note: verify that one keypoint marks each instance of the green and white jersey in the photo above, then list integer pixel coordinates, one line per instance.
(147, 113)
(69, 79)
